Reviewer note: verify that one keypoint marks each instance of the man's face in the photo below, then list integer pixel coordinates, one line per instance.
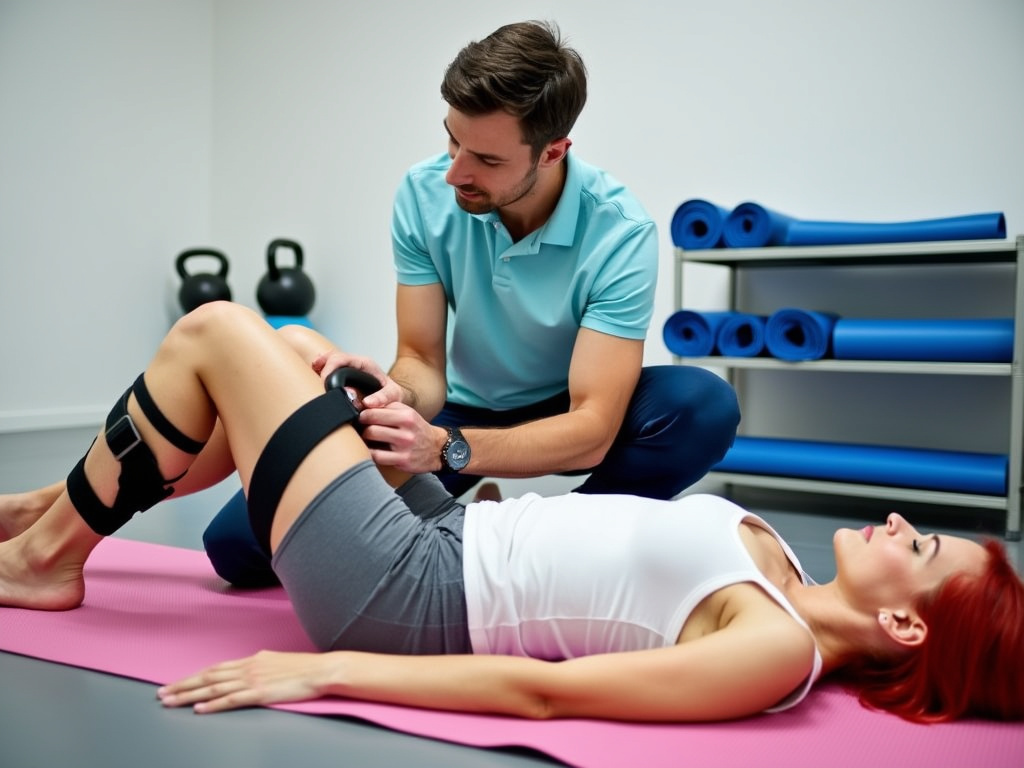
(491, 166)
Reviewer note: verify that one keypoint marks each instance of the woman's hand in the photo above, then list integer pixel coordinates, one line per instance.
(268, 677)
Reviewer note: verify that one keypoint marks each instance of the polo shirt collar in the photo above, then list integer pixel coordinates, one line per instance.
(560, 228)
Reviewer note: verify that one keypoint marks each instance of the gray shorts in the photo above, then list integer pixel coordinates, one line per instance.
(368, 568)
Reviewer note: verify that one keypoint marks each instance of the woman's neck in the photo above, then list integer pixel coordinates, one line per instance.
(840, 631)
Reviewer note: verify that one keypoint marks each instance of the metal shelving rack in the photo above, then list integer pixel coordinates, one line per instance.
(902, 254)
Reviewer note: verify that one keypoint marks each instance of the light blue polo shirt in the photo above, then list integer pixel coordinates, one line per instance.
(515, 308)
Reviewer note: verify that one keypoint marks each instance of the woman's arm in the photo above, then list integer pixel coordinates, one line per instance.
(740, 670)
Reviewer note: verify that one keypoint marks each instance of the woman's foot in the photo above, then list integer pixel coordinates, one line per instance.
(42, 567)
(28, 581)
(18, 511)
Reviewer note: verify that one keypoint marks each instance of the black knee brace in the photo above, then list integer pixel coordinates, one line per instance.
(140, 484)
(294, 439)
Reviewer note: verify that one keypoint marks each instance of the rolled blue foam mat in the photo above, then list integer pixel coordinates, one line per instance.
(751, 225)
(697, 224)
(693, 334)
(982, 473)
(799, 334)
(976, 340)
(742, 335)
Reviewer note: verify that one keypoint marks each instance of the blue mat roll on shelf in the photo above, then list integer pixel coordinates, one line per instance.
(799, 334)
(742, 335)
(751, 225)
(688, 333)
(981, 473)
(974, 340)
(697, 225)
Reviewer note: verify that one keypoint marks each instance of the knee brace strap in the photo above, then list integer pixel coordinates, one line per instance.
(140, 484)
(294, 439)
(168, 431)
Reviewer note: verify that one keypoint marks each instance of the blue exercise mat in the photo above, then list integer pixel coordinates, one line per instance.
(980, 340)
(697, 224)
(751, 225)
(982, 473)
(693, 334)
(742, 335)
(799, 334)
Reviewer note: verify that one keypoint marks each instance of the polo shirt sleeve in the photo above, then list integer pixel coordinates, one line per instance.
(621, 301)
(413, 263)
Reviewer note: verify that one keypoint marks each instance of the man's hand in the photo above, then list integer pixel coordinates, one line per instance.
(390, 391)
(414, 443)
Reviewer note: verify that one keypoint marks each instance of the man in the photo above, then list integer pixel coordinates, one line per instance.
(548, 266)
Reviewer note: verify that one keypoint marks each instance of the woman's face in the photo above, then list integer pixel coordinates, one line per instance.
(890, 566)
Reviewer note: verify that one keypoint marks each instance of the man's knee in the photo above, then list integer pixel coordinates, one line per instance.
(694, 394)
(235, 554)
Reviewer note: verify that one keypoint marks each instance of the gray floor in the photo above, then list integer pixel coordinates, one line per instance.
(57, 715)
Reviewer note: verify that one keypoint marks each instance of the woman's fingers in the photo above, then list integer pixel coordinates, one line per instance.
(220, 686)
(265, 678)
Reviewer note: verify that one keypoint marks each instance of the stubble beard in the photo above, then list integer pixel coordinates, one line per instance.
(486, 204)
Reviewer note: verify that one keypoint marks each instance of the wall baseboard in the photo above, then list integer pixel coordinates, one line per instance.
(51, 418)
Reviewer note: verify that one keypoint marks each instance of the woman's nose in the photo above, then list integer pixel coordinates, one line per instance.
(894, 522)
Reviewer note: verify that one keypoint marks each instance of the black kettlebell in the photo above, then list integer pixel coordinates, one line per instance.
(285, 290)
(203, 286)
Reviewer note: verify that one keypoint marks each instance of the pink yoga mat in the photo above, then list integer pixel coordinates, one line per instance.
(158, 613)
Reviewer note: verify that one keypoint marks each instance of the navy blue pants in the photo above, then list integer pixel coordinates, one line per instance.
(679, 424)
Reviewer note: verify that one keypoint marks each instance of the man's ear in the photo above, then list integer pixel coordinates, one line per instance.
(555, 152)
(903, 627)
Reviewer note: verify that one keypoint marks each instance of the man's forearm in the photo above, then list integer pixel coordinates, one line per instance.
(423, 386)
(577, 440)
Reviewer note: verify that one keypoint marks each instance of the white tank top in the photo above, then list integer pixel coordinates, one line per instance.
(565, 576)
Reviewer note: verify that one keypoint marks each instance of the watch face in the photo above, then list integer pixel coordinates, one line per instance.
(457, 454)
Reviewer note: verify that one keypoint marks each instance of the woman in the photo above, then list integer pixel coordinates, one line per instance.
(576, 606)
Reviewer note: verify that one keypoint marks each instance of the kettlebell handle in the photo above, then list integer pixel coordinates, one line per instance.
(272, 268)
(339, 378)
(179, 263)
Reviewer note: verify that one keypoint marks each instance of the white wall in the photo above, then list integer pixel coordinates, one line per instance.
(132, 130)
(105, 137)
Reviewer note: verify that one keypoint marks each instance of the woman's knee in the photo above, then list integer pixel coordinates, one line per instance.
(214, 318)
(309, 344)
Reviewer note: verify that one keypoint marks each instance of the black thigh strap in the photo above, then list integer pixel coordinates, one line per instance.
(287, 448)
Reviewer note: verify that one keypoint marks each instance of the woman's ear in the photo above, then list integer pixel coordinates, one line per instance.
(903, 627)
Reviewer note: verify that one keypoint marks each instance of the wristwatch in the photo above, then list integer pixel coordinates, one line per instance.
(455, 453)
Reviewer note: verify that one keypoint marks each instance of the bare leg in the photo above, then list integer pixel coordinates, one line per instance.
(220, 361)
(18, 511)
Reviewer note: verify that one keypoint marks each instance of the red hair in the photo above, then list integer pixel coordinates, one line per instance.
(970, 662)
